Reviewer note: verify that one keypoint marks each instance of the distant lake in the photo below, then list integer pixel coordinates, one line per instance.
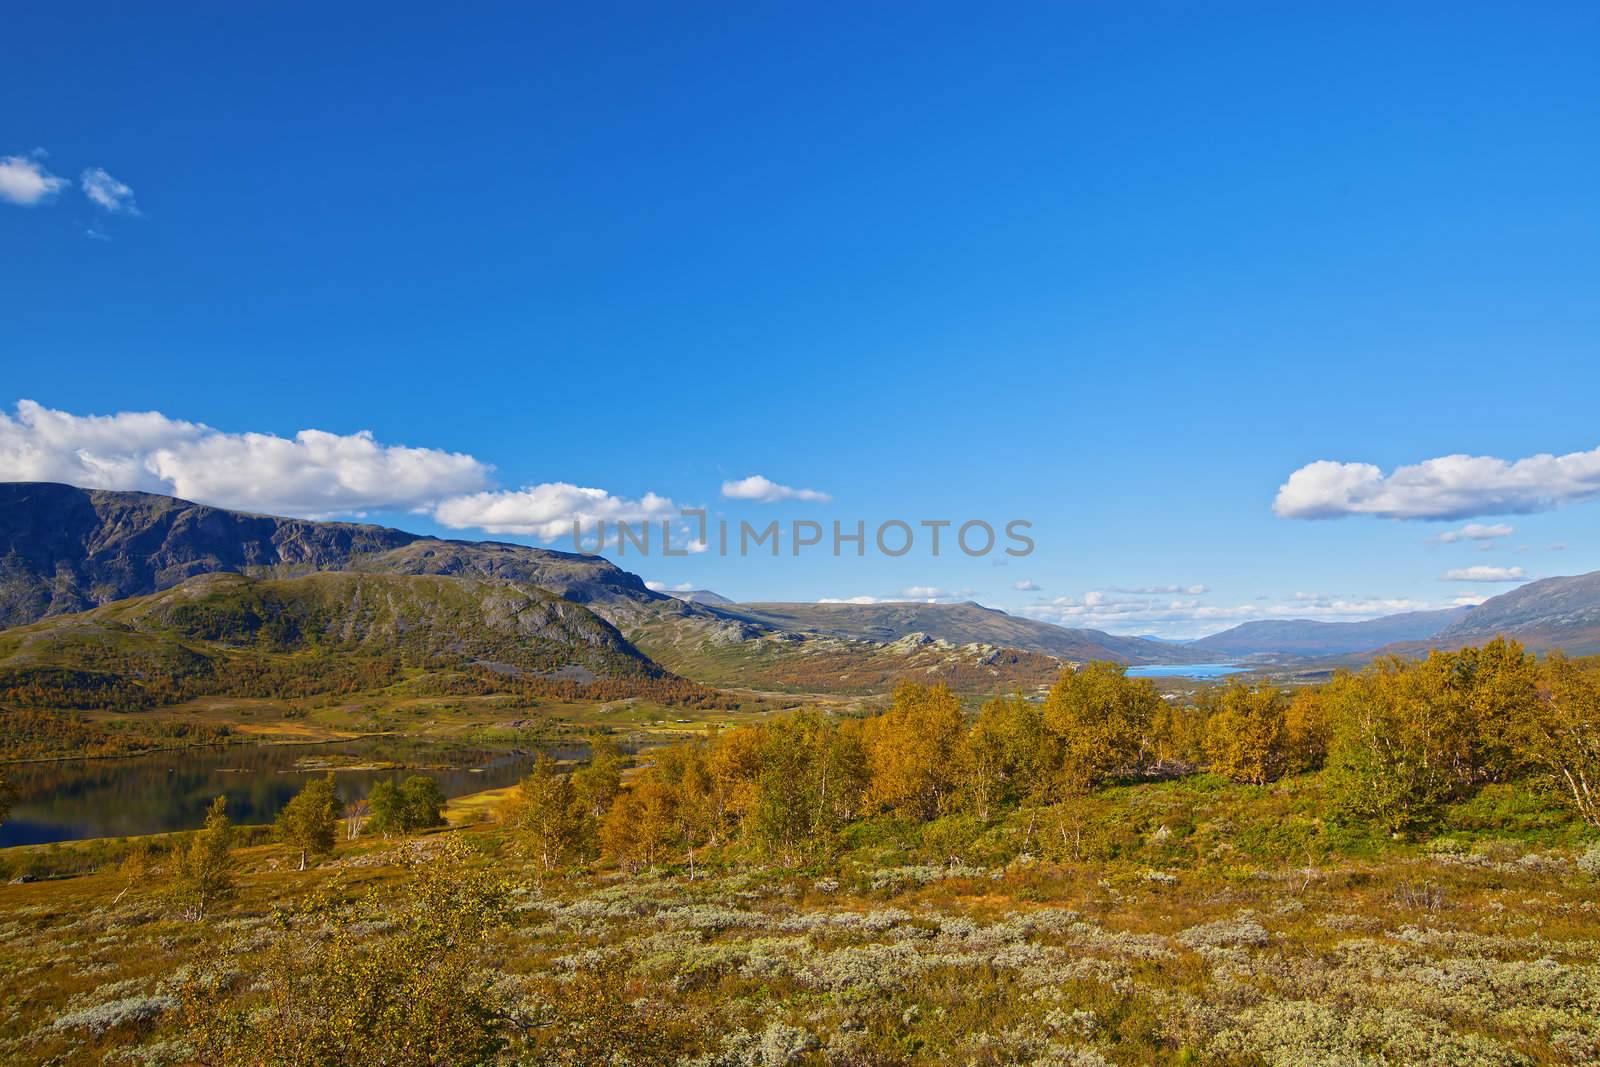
(68, 800)
(1184, 670)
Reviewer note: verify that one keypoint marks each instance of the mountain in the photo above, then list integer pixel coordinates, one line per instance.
(424, 621)
(1549, 613)
(616, 595)
(355, 590)
(750, 656)
(64, 549)
(958, 624)
(704, 596)
(1308, 637)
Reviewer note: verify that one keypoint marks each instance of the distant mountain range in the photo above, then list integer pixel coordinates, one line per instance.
(65, 551)
(1308, 637)
(1546, 614)
(959, 624)
(1549, 613)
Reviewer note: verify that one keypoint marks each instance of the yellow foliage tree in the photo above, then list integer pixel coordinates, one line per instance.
(642, 823)
(1409, 736)
(1177, 734)
(1307, 727)
(1000, 754)
(734, 763)
(811, 777)
(598, 781)
(1560, 736)
(1097, 721)
(546, 815)
(912, 748)
(203, 872)
(1245, 738)
(1499, 684)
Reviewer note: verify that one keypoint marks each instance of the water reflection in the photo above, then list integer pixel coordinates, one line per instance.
(72, 799)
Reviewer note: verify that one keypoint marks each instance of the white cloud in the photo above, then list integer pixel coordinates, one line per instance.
(24, 180)
(107, 192)
(549, 511)
(1188, 617)
(768, 491)
(1160, 590)
(924, 594)
(1468, 601)
(1474, 531)
(1484, 574)
(1449, 487)
(1026, 586)
(663, 587)
(315, 473)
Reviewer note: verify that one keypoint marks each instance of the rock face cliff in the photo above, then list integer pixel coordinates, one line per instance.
(64, 549)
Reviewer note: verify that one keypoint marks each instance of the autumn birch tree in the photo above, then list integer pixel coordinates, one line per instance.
(203, 872)
(310, 821)
(545, 814)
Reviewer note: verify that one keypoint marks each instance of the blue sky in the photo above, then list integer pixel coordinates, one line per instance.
(1117, 269)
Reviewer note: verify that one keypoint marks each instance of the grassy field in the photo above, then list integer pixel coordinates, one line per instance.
(482, 720)
(1194, 921)
(1087, 880)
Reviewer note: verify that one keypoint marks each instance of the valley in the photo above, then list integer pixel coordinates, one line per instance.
(145, 622)
(800, 535)
(687, 829)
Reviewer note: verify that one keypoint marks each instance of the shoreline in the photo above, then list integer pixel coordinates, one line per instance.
(455, 811)
(202, 744)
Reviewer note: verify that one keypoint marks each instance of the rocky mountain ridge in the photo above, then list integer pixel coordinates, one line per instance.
(65, 549)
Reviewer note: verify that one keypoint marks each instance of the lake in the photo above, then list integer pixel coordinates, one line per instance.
(1185, 670)
(68, 800)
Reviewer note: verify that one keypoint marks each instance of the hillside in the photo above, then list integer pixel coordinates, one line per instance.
(747, 655)
(64, 550)
(958, 624)
(229, 633)
(616, 595)
(1172, 911)
(1550, 613)
(1308, 637)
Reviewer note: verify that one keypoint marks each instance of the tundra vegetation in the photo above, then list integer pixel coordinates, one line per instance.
(1399, 866)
